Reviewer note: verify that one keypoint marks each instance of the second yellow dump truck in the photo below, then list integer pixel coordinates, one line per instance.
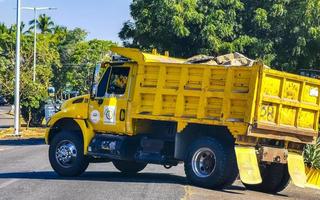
(220, 121)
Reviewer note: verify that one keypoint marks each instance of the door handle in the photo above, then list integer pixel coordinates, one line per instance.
(122, 114)
(100, 101)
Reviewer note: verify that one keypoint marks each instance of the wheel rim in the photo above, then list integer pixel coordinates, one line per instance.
(203, 162)
(66, 153)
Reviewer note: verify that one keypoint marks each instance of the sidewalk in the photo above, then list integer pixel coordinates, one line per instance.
(6, 120)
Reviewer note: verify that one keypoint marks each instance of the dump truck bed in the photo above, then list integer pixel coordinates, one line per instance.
(253, 101)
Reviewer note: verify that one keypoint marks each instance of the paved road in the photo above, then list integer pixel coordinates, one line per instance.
(6, 120)
(25, 173)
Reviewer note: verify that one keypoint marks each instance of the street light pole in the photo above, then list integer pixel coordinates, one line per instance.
(35, 9)
(35, 45)
(17, 76)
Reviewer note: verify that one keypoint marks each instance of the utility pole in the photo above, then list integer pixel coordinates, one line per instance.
(17, 76)
(35, 9)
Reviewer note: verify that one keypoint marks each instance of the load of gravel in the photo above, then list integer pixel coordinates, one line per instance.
(231, 59)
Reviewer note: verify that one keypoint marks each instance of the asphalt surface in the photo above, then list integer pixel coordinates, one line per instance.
(6, 120)
(25, 173)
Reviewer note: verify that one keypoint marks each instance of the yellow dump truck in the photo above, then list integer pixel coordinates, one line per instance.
(220, 121)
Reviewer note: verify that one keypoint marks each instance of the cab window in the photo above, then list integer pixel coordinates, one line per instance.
(118, 80)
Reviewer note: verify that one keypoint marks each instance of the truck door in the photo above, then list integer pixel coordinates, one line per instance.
(108, 110)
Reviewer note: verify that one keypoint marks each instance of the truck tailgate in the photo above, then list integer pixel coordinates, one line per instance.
(287, 106)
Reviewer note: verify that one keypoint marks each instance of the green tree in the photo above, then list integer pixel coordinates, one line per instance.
(64, 59)
(78, 57)
(44, 24)
(186, 27)
(284, 34)
(3, 28)
(32, 94)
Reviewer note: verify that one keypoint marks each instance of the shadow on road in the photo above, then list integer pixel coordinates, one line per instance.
(22, 142)
(111, 177)
(99, 176)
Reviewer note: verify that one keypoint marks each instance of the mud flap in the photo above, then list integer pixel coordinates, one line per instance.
(248, 165)
(297, 169)
(313, 178)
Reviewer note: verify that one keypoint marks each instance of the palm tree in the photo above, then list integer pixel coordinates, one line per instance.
(12, 28)
(44, 24)
(3, 28)
(60, 29)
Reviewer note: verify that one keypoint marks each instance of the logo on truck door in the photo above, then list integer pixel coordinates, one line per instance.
(95, 116)
(109, 116)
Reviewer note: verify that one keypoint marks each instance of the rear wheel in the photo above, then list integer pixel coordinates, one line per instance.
(275, 178)
(129, 167)
(211, 163)
(66, 154)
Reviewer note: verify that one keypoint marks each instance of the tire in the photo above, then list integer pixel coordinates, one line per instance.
(275, 178)
(67, 142)
(220, 169)
(129, 167)
(234, 172)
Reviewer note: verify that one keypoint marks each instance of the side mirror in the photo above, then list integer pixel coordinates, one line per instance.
(93, 90)
(51, 91)
(95, 81)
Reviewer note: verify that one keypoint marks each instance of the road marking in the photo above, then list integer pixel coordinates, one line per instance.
(7, 183)
(187, 193)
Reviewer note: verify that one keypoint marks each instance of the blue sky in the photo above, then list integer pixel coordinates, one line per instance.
(103, 19)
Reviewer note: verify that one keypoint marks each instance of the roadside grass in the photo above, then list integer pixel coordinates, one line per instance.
(25, 133)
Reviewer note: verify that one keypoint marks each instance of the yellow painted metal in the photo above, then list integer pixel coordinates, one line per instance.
(169, 89)
(297, 169)
(75, 111)
(71, 111)
(201, 94)
(137, 55)
(313, 178)
(109, 108)
(86, 129)
(248, 165)
(288, 102)
(79, 113)
(247, 100)
(87, 132)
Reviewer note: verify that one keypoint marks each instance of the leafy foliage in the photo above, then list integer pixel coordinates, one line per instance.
(284, 34)
(312, 155)
(77, 59)
(64, 60)
(44, 24)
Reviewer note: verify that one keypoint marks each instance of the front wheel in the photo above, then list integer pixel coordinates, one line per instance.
(210, 163)
(129, 167)
(66, 154)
